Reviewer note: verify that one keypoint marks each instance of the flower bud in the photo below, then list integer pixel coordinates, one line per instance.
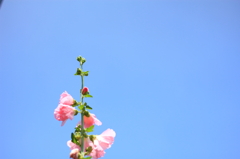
(86, 113)
(92, 137)
(85, 91)
(83, 60)
(77, 135)
(75, 112)
(85, 135)
(88, 150)
(79, 58)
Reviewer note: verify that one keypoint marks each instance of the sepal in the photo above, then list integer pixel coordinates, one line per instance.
(75, 112)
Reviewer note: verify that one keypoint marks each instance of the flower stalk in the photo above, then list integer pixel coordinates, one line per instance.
(82, 113)
(81, 144)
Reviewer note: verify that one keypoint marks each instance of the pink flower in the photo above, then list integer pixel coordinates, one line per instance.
(106, 139)
(66, 99)
(74, 154)
(101, 143)
(72, 146)
(64, 112)
(97, 150)
(89, 121)
(85, 90)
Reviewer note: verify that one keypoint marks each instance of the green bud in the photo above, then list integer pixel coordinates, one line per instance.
(92, 137)
(83, 60)
(79, 58)
(86, 113)
(85, 135)
(75, 112)
(77, 135)
(88, 150)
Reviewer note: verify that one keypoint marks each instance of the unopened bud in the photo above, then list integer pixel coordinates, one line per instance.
(77, 135)
(85, 135)
(83, 60)
(79, 58)
(85, 91)
(75, 112)
(92, 137)
(86, 113)
(88, 150)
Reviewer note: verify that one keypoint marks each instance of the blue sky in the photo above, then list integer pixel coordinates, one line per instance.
(164, 75)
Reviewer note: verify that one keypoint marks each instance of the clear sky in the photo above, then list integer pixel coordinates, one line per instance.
(164, 75)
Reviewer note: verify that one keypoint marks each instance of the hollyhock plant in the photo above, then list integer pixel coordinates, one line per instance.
(82, 145)
(64, 112)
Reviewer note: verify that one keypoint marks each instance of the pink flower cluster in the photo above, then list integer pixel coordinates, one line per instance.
(101, 143)
(65, 110)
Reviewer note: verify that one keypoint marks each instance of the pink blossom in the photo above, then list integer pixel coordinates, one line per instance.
(97, 150)
(66, 99)
(106, 139)
(72, 146)
(74, 154)
(89, 121)
(101, 143)
(64, 112)
(85, 90)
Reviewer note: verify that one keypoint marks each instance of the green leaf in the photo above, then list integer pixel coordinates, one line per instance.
(88, 95)
(88, 107)
(85, 73)
(81, 107)
(88, 158)
(73, 138)
(78, 72)
(90, 129)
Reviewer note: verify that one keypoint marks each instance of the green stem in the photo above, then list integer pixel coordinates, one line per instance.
(82, 115)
